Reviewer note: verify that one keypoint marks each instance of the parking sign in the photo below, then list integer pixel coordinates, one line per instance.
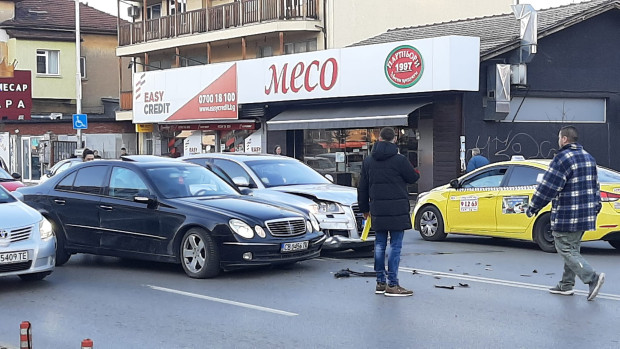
(80, 121)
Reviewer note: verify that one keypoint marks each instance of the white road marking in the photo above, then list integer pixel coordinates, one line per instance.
(485, 280)
(225, 301)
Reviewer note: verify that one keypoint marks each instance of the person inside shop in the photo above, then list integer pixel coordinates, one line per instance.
(96, 153)
(277, 150)
(88, 155)
(123, 151)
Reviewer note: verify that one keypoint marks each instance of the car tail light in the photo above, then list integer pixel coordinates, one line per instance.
(609, 197)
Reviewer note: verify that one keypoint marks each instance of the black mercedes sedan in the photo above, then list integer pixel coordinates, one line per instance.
(171, 212)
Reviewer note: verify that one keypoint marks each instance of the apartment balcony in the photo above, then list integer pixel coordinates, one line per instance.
(222, 19)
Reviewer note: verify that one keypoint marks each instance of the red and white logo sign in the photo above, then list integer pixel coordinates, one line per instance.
(16, 96)
(404, 66)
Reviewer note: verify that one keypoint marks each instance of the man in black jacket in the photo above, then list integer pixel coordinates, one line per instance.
(382, 194)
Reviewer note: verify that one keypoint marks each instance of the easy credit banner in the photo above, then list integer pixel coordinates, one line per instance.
(214, 91)
(186, 94)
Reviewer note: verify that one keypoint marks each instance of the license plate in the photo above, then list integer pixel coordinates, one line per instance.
(13, 257)
(294, 246)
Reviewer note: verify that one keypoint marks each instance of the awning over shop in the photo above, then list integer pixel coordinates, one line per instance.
(345, 116)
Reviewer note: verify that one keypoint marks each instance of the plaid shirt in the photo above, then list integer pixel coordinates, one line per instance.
(571, 183)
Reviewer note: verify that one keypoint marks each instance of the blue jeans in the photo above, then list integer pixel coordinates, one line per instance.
(568, 245)
(396, 244)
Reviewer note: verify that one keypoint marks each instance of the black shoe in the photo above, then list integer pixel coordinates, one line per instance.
(558, 290)
(380, 289)
(595, 286)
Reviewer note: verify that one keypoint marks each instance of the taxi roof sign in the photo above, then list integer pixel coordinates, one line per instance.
(517, 158)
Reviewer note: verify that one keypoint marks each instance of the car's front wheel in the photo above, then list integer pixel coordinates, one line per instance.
(199, 254)
(542, 233)
(429, 222)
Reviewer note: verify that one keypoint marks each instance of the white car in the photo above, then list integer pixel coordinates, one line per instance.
(289, 181)
(27, 241)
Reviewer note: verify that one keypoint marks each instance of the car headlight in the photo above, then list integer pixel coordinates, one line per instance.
(309, 226)
(315, 223)
(241, 228)
(314, 208)
(330, 207)
(45, 229)
(260, 231)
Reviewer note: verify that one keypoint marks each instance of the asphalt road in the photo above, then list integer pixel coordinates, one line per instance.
(128, 304)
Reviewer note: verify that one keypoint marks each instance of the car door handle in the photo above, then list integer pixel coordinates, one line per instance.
(487, 196)
(59, 201)
(107, 208)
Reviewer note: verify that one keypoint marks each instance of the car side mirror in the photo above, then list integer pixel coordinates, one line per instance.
(245, 191)
(455, 183)
(150, 200)
(48, 173)
(241, 182)
(16, 175)
(329, 178)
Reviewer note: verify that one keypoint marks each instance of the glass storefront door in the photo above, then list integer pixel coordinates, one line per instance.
(30, 164)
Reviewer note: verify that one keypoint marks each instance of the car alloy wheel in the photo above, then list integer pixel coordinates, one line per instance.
(430, 223)
(199, 254)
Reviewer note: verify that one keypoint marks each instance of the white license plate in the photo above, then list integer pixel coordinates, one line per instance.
(294, 246)
(13, 257)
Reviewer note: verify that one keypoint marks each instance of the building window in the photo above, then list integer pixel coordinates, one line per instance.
(179, 6)
(153, 11)
(264, 51)
(300, 47)
(83, 67)
(47, 62)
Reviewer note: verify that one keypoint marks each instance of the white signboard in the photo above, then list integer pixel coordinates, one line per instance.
(213, 91)
(193, 143)
(469, 203)
(253, 143)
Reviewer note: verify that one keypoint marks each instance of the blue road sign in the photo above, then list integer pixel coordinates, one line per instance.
(80, 121)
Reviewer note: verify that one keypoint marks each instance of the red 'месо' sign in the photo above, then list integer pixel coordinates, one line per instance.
(404, 66)
(16, 96)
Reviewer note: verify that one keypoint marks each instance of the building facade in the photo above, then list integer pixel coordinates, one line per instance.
(37, 39)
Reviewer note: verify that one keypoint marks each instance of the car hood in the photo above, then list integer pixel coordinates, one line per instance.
(244, 208)
(331, 192)
(17, 214)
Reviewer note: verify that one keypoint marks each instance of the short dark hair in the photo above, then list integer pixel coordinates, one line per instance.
(87, 152)
(570, 132)
(123, 148)
(387, 134)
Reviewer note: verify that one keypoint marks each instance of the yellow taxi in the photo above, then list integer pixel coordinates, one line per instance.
(491, 201)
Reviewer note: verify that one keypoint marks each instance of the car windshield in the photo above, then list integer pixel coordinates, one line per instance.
(274, 173)
(5, 175)
(606, 175)
(5, 197)
(177, 181)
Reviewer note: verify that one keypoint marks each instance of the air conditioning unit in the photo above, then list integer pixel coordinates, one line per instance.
(133, 11)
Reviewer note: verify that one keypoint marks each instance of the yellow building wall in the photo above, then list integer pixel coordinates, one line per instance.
(102, 74)
(60, 86)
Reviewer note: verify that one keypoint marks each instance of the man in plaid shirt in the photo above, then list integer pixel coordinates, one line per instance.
(571, 184)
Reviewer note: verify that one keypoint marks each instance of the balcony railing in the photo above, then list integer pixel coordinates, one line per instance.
(236, 14)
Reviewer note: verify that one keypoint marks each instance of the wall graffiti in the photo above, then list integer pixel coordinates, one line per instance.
(501, 148)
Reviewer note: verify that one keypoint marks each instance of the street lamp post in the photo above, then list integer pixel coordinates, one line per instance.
(78, 74)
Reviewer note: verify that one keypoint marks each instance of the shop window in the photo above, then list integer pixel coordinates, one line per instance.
(300, 47)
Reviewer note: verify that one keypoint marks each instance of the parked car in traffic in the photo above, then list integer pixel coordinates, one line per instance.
(10, 182)
(60, 167)
(287, 180)
(170, 211)
(491, 201)
(27, 243)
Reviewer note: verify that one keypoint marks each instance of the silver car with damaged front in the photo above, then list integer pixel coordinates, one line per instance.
(287, 180)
